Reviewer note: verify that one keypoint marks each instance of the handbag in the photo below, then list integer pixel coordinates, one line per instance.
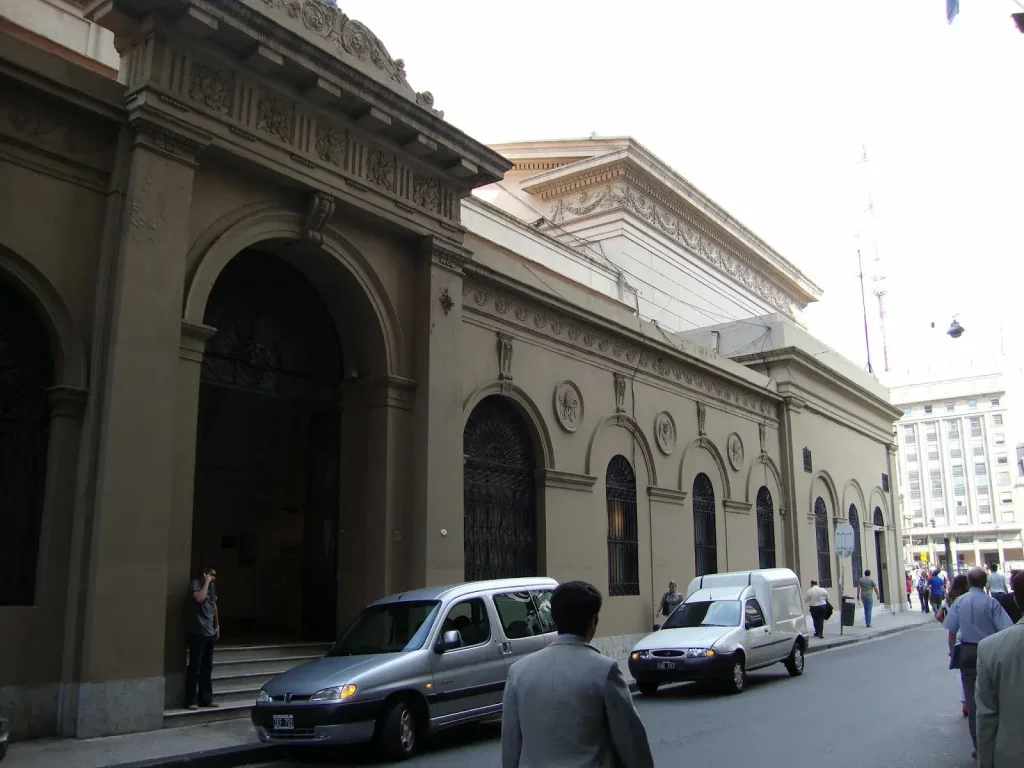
(829, 610)
(954, 656)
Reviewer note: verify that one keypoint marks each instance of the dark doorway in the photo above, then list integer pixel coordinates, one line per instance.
(765, 528)
(267, 493)
(705, 527)
(858, 557)
(499, 493)
(880, 576)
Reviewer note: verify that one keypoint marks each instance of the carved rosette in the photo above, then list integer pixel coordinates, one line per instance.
(665, 434)
(568, 402)
(734, 449)
(426, 192)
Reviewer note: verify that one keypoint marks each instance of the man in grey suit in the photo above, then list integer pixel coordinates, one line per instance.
(568, 705)
(1000, 693)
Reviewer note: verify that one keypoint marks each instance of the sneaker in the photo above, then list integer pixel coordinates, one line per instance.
(192, 707)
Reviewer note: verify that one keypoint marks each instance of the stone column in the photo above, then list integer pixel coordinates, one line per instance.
(179, 538)
(787, 452)
(437, 556)
(121, 683)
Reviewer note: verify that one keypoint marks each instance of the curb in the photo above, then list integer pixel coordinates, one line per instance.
(840, 642)
(225, 757)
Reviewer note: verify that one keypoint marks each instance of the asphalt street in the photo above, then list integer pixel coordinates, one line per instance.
(887, 702)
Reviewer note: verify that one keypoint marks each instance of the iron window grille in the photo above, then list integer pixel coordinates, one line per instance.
(705, 531)
(623, 539)
(765, 528)
(822, 545)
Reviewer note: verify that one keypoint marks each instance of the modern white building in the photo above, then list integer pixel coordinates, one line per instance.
(958, 471)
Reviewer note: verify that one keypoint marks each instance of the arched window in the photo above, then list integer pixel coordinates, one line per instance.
(765, 528)
(499, 493)
(821, 542)
(705, 539)
(26, 372)
(879, 518)
(857, 559)
(623, 544)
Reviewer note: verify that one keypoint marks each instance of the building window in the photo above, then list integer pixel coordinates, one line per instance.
(623, 549)
(705, 532)
(954, 431)
(927, 409)
(857, 557)
(906, 411)
(1005, 498)
(1007, 517)
(994, 402)
(978, 450)
(933, 455)
(821, 541)
(939, 512)
(997, 420)
(909, 437)
(965, 540)
(936, 480)
(958, 471)
(765, 528)
(885, 483)
(972, 403)
(954, 453)
(1000, 439)
(1002, 459)
(950, 407)
(980, 468)
(982, 491)
(975, 426)
(958, 490)
(1004, 478)
(808, 464)
(911, 458)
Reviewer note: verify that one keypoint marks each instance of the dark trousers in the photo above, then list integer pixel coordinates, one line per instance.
(968, 676)
(936, 602)
(198, 676)
(923, 595)
(818, 618)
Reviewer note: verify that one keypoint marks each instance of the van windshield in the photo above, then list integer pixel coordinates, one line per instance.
(388, 628)
(716, 613)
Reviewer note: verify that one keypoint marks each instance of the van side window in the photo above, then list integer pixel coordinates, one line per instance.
(518, 614)
(754, 617)
(542, 598)
(787, 603)
(469, 619)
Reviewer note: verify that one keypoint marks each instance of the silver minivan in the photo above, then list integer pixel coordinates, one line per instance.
(411, 663)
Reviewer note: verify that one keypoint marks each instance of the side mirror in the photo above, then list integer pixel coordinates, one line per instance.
(449, 641)
(656, 627)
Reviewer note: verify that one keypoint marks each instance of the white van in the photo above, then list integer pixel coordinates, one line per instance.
(729, 624)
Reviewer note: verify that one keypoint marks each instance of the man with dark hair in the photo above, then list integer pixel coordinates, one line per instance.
(867, 591)
(1000, 692)
(975, 616)
(1009, 599)
(996, 581)
(567, 704)
(203, 632)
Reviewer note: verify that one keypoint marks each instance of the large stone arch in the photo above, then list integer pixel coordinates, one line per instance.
(66, 341)
(763, 471)
(527, 408)
(852, 494)
(823, 485)
(689, 466)
(372, 339)
(629, 424)
(877, 499)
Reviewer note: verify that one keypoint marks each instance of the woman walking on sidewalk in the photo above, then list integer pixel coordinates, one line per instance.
(922, 590)
(956, 589)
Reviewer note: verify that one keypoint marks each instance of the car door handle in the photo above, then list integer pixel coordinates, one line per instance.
(506, 648)
(766, 629)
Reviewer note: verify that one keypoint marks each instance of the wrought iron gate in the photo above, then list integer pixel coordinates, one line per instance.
(705, 531)
(499, 494)
(26, 372)
(765, 528)
(857, 558)
(879, 520)
(623, 545)
(821, 540)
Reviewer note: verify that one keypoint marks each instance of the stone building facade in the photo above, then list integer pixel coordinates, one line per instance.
(248, 317)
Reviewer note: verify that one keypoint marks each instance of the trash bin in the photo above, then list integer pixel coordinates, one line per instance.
(849, 611)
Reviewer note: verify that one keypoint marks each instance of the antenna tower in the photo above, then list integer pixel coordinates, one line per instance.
(878, 288)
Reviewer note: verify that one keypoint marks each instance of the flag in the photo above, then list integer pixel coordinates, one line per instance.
(952, 9)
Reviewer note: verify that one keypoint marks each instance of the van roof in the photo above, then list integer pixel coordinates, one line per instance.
(739, 579)
(453, 591)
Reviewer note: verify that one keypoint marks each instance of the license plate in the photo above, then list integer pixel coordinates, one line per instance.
(666, 665)
(284, 722)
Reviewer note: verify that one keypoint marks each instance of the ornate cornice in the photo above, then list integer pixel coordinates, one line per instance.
(736, 507)
(570, 481)
(450, 256)
(181, 144)
(667, 495)
(489, 299)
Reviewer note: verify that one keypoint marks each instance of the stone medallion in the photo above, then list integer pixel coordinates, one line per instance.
(665, 432)
(734, 447)
(568, 406)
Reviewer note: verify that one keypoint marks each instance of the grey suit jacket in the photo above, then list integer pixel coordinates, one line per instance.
(569, 706)
(999, 694)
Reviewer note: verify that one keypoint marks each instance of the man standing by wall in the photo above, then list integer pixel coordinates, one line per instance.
(203, 632)
(1000, 692)
(975, 616)
(867, 591)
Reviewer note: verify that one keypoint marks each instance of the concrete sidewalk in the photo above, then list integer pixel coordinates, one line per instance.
(233, 743)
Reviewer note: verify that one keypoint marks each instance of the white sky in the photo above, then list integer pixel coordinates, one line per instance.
(765, 106)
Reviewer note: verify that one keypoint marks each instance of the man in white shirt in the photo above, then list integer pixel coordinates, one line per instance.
(817, 601)
(996, 581)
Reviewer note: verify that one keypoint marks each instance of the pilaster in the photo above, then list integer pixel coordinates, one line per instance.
(787, 453)
(121, 684)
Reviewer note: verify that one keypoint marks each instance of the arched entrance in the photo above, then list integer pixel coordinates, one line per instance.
(499, 493)
(26, 373)
(822, 546)
(705, 527)
(858, 557)
(765, 528)
(879, 521)
(265, 509)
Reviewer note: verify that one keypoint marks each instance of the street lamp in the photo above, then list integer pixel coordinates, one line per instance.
(955, 329)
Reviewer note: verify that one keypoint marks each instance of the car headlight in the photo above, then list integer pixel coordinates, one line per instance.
(640, 655)
(340, 693)
(263, 698)
(699, 653)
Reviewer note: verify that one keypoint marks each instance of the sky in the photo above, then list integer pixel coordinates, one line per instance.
(766, 106)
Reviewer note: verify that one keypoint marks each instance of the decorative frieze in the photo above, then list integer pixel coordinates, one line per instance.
(485, 299)
(380, 169)
(627, 197)
(213, 87)
(274, 116)
(330, 144)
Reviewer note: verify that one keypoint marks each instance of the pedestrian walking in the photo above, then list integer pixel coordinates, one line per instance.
(937, 590)
(817, 601)
(867, 591)
(910, 588)
(1000, 692)
(996, 581)
(670, 600)
(956, 589)
(203, 632)
(1009, 600)
(972, 617)
(922, 591)
(567, 704)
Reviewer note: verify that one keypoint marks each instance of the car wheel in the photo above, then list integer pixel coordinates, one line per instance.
(737, 679)
(399, 732)
(795, 662)
(647, 689)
